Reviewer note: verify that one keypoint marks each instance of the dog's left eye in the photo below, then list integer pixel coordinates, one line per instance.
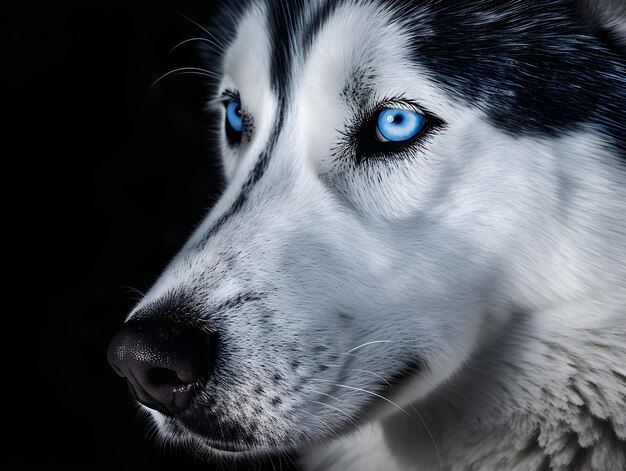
(234, 121)
(397, 125)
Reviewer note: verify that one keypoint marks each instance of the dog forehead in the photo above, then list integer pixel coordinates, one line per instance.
(273, 39)
(332, 50)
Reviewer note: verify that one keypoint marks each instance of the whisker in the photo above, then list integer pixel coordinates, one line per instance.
(353, 355)
(352, 419)
(134, 290)
(322, 393)
(218, 100)
(322, 422)
(368, 343)
(211, 42)
(186, 70)
(393, 404)
(374, 374)
(334, 398)
(271, 460)
(290, 460)
(211, 35)
(362, 390)
(432, 439)
(362, 371)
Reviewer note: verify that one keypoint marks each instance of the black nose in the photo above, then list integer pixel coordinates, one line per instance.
(164, 364)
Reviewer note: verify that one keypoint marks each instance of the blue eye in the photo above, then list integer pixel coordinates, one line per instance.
(396, 124)
(234, 115)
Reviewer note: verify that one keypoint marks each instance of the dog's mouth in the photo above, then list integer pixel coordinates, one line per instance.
(210, 427)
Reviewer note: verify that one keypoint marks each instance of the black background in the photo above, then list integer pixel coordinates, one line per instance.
(104, 179)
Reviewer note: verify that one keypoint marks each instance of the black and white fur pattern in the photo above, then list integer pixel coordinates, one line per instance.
(461, 305)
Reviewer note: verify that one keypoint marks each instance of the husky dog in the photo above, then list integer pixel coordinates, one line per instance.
(419, 260)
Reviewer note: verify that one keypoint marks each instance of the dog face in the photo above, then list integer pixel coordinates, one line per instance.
(394, 177)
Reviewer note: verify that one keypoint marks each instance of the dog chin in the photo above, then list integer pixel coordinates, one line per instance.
(235, 452)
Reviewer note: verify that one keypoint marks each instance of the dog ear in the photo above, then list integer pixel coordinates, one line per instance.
(606, 20)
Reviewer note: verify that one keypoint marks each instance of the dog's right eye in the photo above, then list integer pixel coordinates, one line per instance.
(234, 121)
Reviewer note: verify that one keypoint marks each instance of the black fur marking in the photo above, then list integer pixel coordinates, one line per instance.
(317, 22)
(359, 88)
(344, 316)
(292, 27)
(282, 20)
(237, 301)
(257, 173)
(253, 178)
(248, 127)
(531, 66)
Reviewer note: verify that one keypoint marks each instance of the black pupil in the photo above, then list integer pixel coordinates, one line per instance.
(398, 118)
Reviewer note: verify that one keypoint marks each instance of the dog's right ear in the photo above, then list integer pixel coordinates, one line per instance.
(606, 20)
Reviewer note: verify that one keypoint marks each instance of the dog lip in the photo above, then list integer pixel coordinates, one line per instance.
(211, 434)
(229, 447)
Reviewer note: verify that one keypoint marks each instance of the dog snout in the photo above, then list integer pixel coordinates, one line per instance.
(164, 365)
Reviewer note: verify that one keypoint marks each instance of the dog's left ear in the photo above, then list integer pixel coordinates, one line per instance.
(606, 20)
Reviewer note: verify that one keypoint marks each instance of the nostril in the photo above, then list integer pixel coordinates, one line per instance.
(164, 377)
(163, 364)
